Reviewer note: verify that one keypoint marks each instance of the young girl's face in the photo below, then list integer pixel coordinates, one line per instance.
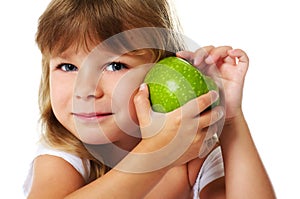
(92, 96)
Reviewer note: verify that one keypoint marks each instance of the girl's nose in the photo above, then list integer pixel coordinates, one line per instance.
(88, 84)
(86, 92)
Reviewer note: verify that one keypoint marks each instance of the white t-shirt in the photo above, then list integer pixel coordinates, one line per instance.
(211, 169)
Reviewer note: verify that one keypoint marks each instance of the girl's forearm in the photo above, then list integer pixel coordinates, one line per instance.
(245, 175)
(119, 183)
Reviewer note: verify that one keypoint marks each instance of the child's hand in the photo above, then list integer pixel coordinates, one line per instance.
(232, 66)
(176, 137)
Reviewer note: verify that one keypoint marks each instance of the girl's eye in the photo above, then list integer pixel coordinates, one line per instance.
(115, 66)
(67, 67)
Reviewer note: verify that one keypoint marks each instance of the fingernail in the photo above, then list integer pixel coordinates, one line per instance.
(142, 86)
(207, 146)
(214, 95)
(196, 61)
(179, 53)
(220, 114)
(209, 60)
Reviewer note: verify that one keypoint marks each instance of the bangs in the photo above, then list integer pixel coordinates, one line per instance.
(77, 24)
(83, 24)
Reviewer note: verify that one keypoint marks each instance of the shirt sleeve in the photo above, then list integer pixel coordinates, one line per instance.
(75, 161)
(212, 169)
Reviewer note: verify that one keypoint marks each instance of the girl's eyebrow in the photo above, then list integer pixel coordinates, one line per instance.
(60, 59)
(67, 55)
(64, 56)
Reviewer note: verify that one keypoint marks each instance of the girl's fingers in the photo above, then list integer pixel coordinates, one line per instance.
(212, 55)
(196, 58)
(211, 131)
(208, 118)
(242, 60)
(240, 54)
(199, 104)
(201, 54)
(217, 53)
(230, 60)
(187, 55)
(209, 141)
(142, 105)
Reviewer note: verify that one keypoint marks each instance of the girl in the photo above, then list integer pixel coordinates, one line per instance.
(101, 139)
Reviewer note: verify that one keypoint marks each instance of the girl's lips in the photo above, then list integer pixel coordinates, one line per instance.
(91, 116)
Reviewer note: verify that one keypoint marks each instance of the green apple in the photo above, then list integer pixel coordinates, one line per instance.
(172, 82)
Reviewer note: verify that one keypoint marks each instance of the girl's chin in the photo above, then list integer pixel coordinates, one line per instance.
(96, 139)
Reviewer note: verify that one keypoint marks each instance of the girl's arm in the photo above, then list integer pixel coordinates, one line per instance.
(137, 174)
(243, 166)
(56, 178)
(245, 175)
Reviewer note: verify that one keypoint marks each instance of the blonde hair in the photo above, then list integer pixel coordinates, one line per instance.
(85, 23)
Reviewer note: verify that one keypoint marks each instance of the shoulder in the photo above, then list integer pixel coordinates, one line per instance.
(82, 166)
(54, 172)
(53, 176)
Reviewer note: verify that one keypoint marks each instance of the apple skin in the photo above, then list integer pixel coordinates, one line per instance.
(172, 82)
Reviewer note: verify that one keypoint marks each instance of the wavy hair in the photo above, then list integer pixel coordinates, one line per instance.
(85, 23)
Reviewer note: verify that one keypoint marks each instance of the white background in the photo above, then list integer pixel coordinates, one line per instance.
(267, 30)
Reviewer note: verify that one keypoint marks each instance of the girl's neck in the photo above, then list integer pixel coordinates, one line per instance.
(112, 153)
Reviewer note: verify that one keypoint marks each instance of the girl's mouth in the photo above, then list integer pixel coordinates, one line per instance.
(91, 117)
